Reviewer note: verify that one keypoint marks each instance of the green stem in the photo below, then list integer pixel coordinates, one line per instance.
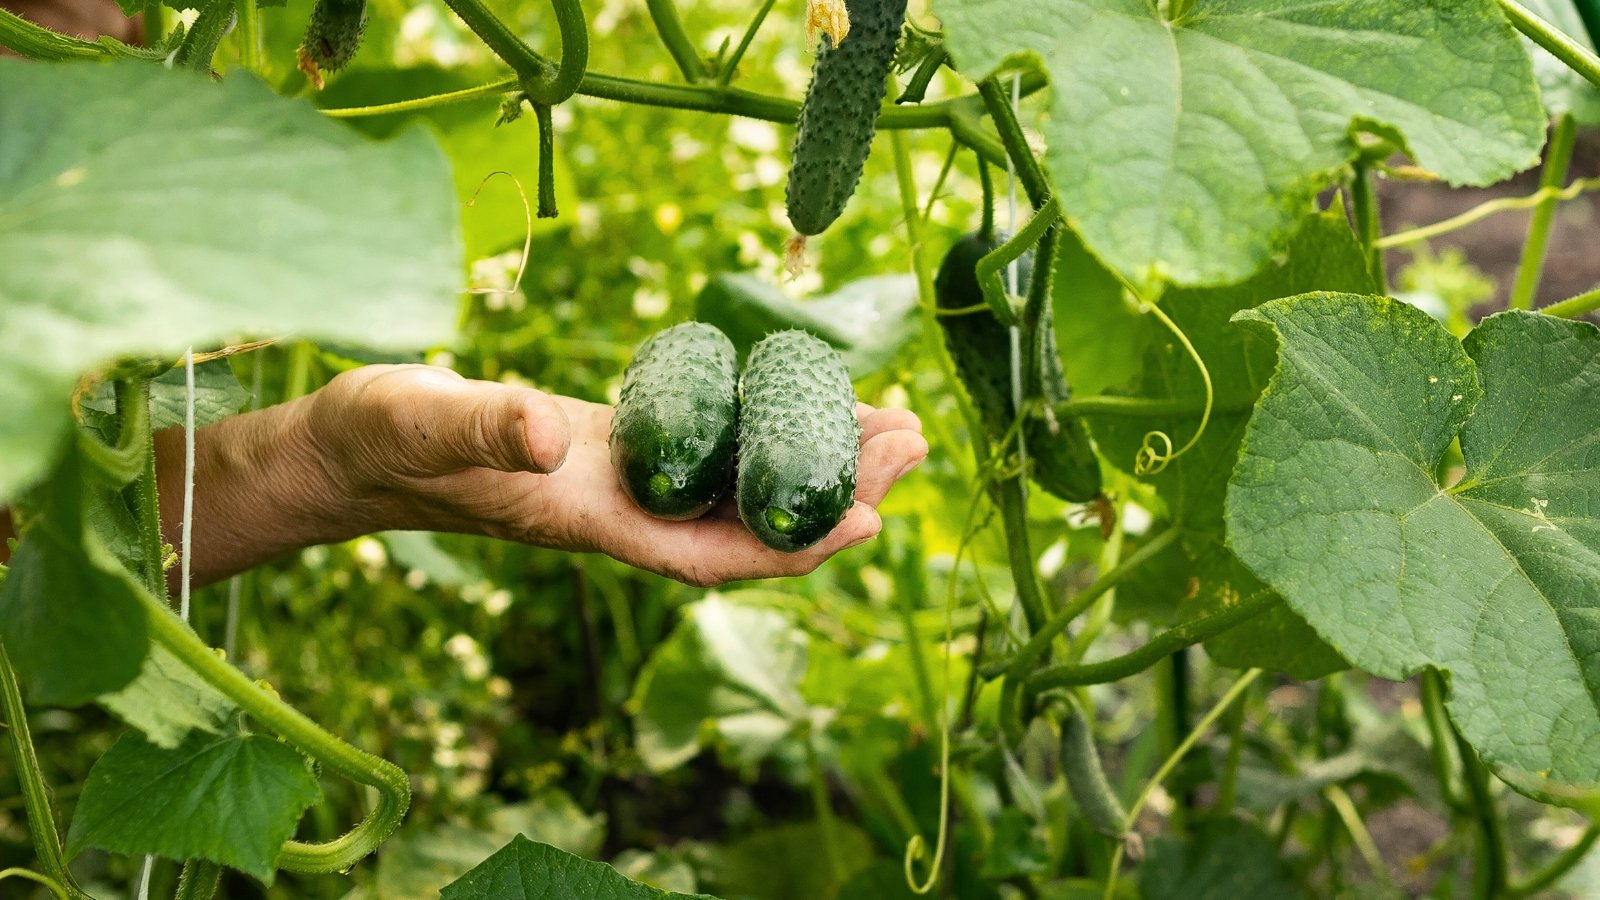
(394, 789)
(1369, 224)
(1238, 687)
(917, 87)
(27, 875)
(1159, 648)
(133, 401)
(250, 50)
(1228, 785)
(1439, 737)
(1489, 879)
(1026, 659)
(198, 880)
(1345, 809)
(1573, 307)
(540, 79)
(1019, 547)
(730, 68)
(37, 42)
(547, 161)
(1029, 171)
(1578, 58)
(41, 818)
(1558, 156)
(200, 44)
(986, 182)
(823, 806)
(1557, 867)
(664, 14)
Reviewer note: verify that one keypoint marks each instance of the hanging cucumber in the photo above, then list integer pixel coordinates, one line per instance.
(1086, 778)
(672, 438)
(799, 439)
(840, 113)
(1064, 462)
(332, 36)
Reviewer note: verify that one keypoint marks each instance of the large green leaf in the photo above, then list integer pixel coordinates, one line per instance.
(1199, 570)
(728, 670)
(866, 320)
(1496, 580)
(167, 700)
(232, 799)
(143, 211)
(527, 870)
(71, 616)
(1186, 151)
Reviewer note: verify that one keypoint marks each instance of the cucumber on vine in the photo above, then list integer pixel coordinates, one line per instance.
(332, 36)
(1063, 459)
(840, 114)
(672, 437)
(1086, 777)
(799, 439)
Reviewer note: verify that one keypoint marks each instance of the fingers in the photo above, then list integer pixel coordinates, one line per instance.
(877, 421)
(718, 551)
(885, 459)
(444, 423)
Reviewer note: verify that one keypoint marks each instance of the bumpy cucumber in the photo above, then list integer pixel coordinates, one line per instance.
(798, 440)
(1064, 462)
(334, 33)
(840, 113)
(672, 438)
(1086, 778)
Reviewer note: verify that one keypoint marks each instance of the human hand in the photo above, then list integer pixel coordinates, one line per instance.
(422, 447)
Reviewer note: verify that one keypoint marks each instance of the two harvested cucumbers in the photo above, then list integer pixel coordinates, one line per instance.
(686, 418)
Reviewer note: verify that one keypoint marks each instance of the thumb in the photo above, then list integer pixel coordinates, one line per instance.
(512, 429)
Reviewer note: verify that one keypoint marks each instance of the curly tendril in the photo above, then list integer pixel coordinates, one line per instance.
(1149, 460)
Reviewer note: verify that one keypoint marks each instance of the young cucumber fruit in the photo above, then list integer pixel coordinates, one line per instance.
(840, 113)
(1063, 461)
(798, 441)
(334, 33)
(672, 438)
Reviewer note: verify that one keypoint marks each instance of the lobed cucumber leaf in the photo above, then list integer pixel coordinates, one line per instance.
(143, 211)
(1185, 152)
(528, 870)
(1337, 503)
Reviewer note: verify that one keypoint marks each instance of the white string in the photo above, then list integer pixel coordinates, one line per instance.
(144, 877)
(1012, 276)
(186, 542)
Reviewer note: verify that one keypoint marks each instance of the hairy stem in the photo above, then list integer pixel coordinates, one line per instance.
(35, 794)
(198, 881)
(1555, 868)
(1029, 171)
(1439, 737)
(1369, 224)
(1557, 158)
(1489, 878)
(669, 26)
(1159, 648)
(1484, 210)
(394, 788)
(200, 44)
(1573, 307)
(731, 67)
(1577, 57)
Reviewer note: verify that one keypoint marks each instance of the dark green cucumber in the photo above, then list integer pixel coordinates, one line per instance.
(672, 438)
(334, 33)
(840, 113)
(1064, 461)
(798, 441)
